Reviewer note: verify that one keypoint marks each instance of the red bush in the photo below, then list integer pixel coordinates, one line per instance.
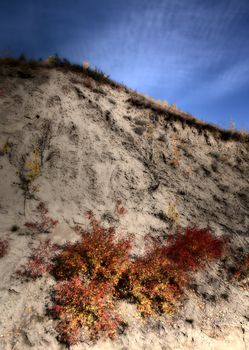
(193, 248)
(4, 246)
(89, 271)
(98, 254)
(152, 282)
(45, 225)
(69, 262)
(84, 310)
(157, 280)
(40, 261)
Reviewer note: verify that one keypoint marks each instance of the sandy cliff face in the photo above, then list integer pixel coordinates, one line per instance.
(97, 147)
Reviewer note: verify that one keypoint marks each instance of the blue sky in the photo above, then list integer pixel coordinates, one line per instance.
(191, 52)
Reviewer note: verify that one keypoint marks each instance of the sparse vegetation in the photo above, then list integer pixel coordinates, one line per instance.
(176, 153)
(45, 224)
(89, 83)
(151, 128)
(172, 213)
(98, 75)
(85, 65)
(4, 246)
(40, 261)
(242, 272)
(29, 171)
(173, 113)
(5, 150)
(44, 140)
(170, 113)
(30, 165)
(120, 210)
(22, 57)
(232, 125)
(54, 61)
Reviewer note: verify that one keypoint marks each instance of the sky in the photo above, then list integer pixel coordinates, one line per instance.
(194, 53)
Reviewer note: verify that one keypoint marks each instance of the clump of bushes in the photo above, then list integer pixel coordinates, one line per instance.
(93, 273)
(98, 254)
(4, 246)
(88, 272)
(153, 283)
(45, 224)
(156, 281)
